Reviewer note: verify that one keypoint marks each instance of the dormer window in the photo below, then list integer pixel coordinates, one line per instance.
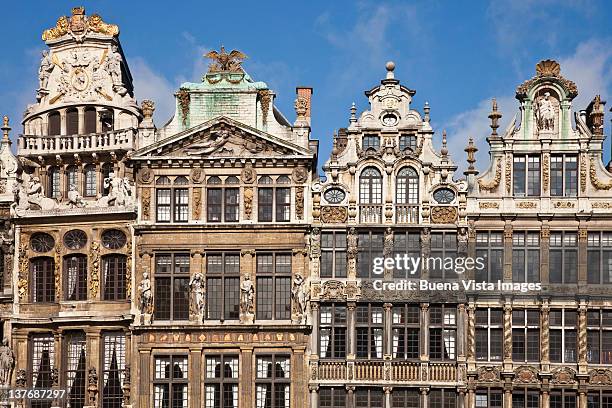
(371, 142)
(407, 142)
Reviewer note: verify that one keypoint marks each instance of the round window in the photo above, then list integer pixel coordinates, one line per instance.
(444, 195)
(113, 239)
(389, 119)
(75, 239)
(334, 195)
(41, 242)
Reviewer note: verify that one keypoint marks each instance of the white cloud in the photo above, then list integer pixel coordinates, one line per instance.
(590, 67)
(152, 85)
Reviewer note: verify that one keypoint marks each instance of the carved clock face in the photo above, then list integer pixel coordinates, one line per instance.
(334, 195)
(444, 196)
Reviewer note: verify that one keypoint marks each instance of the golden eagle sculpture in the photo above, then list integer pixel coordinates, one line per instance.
(224, 62)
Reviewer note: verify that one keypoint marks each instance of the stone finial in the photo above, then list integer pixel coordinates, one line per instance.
(5, 129)
(353, 118)
(426, 110)
(444, 149)
(471, 150)
(335, 150)
(596, 115)
(390, 68)
(148, 107)
(494, 116)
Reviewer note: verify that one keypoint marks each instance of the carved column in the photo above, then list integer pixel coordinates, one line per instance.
(246, 387)
(544, 253)
(93, 363)
(545, 398)
(461, 332)
(145, 388)
(314, 338)
(507, 396)
(81, 111)
(425, 250)
(545, 335)
(582, 398)
(195, 363)
(63, 127)
(582, 255)
(298, 378)
(387, 391)
(461, 398)
(350, 336)
(387, 332)
(507, 335)
(471, 334)
(424, 396)
(350, 395)
(314, 395)
(424, 331)
(507, 252)
(582, 337)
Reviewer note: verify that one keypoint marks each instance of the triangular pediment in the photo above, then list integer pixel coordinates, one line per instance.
(221, 137)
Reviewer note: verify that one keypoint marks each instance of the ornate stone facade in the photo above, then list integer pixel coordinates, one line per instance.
(208, 255)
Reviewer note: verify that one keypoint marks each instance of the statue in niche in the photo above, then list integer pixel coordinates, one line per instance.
(298, 296)
(197, 290)
(247, 295)
(545, 112)
(46, 66)
(146, 297)
(7, 363)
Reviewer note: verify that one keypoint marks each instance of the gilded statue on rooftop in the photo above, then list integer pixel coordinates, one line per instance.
(225, 62)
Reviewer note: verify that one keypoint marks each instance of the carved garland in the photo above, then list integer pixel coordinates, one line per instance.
(197, 203)
(299, 202)
(128, 270)
(493, 184)
(184, 98)
(599, 185)
(264, 95)
(94, 257)
(24, 266)
(146, 203)
(508, 174)
(583, 172)
(58, 271)
(545, 171)
(332, 215)
(248, 202)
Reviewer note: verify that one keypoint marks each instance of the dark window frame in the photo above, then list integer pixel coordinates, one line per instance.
(224, 378)
(526, 175)
(274, 381)
(440, 324)
(273, 286)
(80, 286)
(524, 331)
(42, 275)
(337, 329)
(174, 383)
(226, 280)
(562, 247)
(333, 254)
(406, 332)
(369, 325)
(118, 290)
(599, 250)
(525, 247)
(490, 247)
(178, 285)
(560, 172)
(491, 330)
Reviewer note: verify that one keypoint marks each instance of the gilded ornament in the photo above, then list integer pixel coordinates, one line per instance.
(508, 174)
(197, 203)
(94, 259)
(223, 61)
(488, 205)
(265, 98)
(600, 376)
(563, 204)
(147, 107)
(128, 270)
(547, 69)
(526, 375)
(583, 172)
(599, 185)
(299, 203)
(488, 374)
(248, 202)
(184, 99)
(146, 203)
(24, 269)
(563, 376)
(526, 204)
(601, 204)
(545, 171)
(443, 215)
(78, 25)
(333, 215)
(493, 184)
(57, 273)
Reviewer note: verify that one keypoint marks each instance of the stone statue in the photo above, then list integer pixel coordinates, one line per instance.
(7, 363)
(119, 193)
(462, 241)
(113, 67)
(247, 295)
(145, 296)
(75, 200)
(92, 388)
(388, 244)
(46, 66)
(298, 296)
(545, 113)
(315, 243)
(197, 290)
(352, 241)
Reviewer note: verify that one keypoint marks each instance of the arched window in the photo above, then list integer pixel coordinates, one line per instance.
(370, 186)
(55, 126)
(53, 177)
(43, 279)
(71, 177)
(75, 271)
(91, 118)
(107, 120)
(91, 188)
(72, 122)
(114, 267)
(407, 186)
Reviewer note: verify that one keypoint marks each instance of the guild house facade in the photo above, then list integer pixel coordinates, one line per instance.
(206, 263)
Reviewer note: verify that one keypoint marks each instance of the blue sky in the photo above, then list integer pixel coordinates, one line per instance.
(457, 55)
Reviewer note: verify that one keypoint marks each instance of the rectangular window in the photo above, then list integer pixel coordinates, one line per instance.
(525, 399)
(332, 339)
(163, 204)
(369, 398)
(564, 176)
(406, 328)
(369, 331)
(91, 188)
(223, 286)
(232, 204)
(113, 373)
(181, 205)
(442, 398)
(442, 332)
(599, 258)
(563, 257)
(525, 256)
(283, 204)
(332, 397)
(114, 267)
(371, 142)
(562, 335)
(489, 334)
(407, 142)
(265, 203)
(170, 382)
(405, 398)
(369, 246)
(407, 243)
(563, 399)
(490, 247)
(172, 286)
(489, 398)
(221, 381)
(273, 286)
(333, 254)
(214, 204)
(43, 279)
(599, 336)
(599, 399)
(525, 335)
(75, 358)
(443, 245)
(526, 176)
(273, 381)
(42, 362)
(75, 268)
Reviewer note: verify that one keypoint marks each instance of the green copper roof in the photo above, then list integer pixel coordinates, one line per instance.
(224, 80)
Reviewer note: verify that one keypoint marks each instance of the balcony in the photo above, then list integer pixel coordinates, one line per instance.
(398, 371)
(94, 142)
(406, 214)
(370, 213)
(369, 370)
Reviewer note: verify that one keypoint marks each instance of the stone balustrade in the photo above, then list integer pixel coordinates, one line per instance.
(94, 142)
